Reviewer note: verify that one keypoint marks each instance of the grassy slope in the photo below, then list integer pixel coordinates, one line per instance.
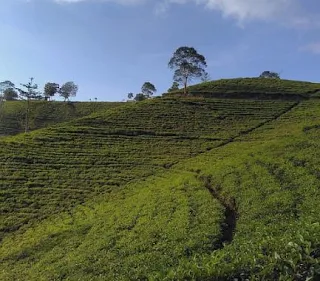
(62, 166)
(43, 114)
(166, 226)
(254, 88)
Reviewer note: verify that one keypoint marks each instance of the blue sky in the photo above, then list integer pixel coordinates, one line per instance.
(111, 47)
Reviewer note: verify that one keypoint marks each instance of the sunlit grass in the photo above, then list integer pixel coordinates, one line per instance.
(120, 194)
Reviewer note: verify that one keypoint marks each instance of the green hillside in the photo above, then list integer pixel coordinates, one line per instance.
(43, 114)
(166, 189)
(254, 88)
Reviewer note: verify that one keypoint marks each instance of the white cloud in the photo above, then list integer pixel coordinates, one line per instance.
(244, 10)
(313, 48)
(121, 2)
(284, 11)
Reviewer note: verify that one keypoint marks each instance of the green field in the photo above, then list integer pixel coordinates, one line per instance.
(166, 189)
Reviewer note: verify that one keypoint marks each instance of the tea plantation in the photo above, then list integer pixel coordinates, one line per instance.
(254, 88)
(176, 188)
(13, 113)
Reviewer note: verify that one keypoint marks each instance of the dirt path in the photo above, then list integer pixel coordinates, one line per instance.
(231, 215)
(229, 224)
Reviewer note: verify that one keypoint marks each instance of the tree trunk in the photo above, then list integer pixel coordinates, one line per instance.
(185, 86)
(26, 129)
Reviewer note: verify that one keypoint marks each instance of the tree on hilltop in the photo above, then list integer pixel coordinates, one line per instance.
(7, 88)
(187, 64)
(6, 85)
(68, 90)
(269, 74)
(50, 89)
(30, 92)
(148, 89)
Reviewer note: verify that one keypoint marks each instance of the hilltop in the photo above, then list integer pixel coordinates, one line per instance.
(48, 113)
(173, 188)
(254, 88)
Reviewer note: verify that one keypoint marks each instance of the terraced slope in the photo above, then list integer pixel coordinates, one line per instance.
(55, 169)
(175, 185)
(43, 114)
(260, 88)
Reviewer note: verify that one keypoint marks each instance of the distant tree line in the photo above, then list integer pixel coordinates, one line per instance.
(147, 91)
(188, 65)
(29, 91)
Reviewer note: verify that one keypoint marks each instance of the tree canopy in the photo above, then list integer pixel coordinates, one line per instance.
(68, 90)
(269, 74)
(148, 89)
(50, 89)
(6, 85)
(30, 91)
(187, 64)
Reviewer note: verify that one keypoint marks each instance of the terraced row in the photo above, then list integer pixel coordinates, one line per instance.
(43, 114)
(255, 88)
(54, 169)
(168, 227)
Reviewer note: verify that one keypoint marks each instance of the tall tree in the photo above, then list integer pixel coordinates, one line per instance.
(50, 89)
(10, 94)
(187, 64)
(174, 87)
(68, 90)
(148, 89)
(30, 92)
